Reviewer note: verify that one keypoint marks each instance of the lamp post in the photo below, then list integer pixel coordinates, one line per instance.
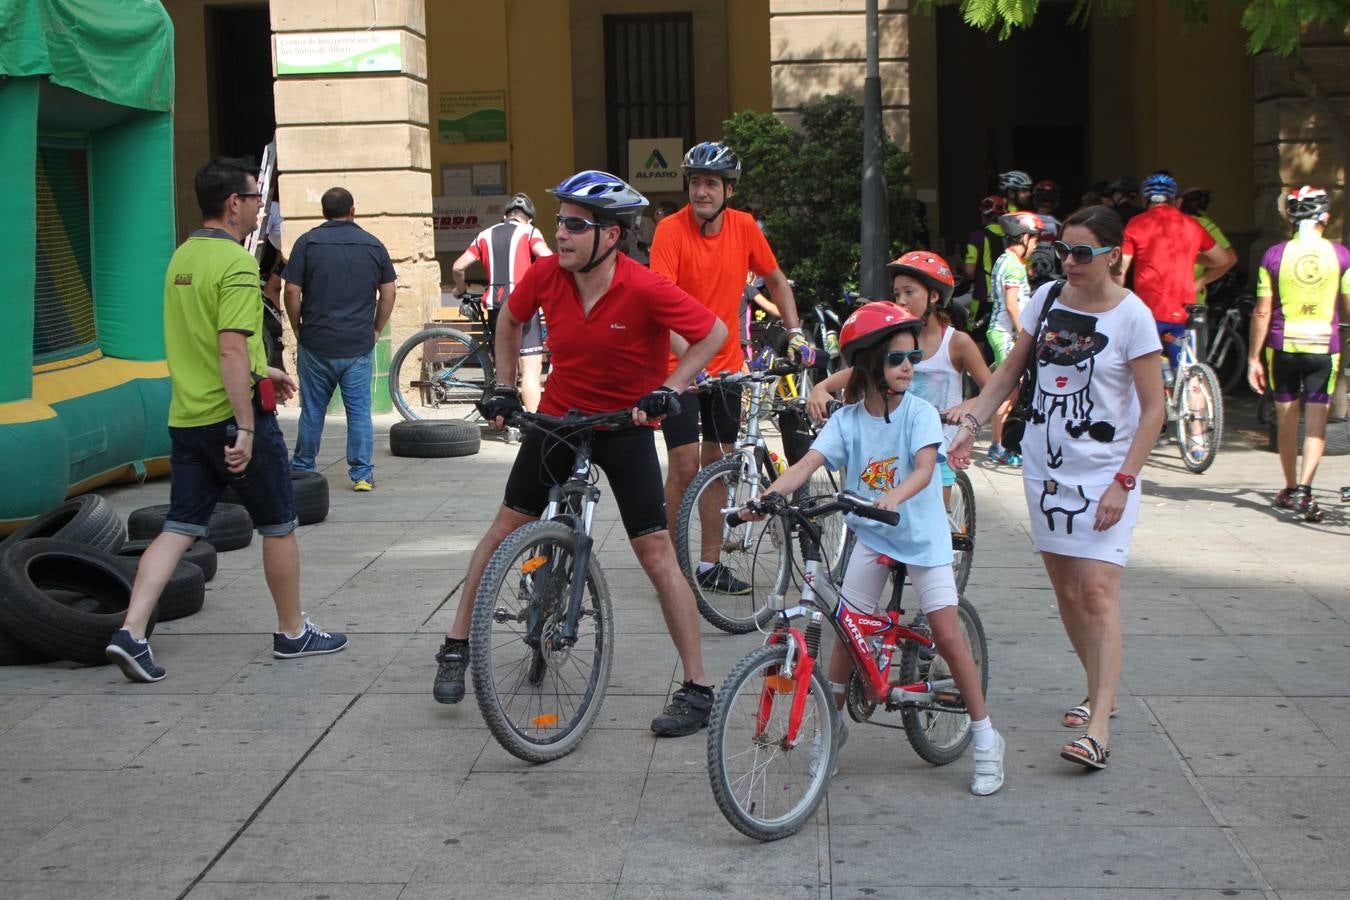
(875, 230)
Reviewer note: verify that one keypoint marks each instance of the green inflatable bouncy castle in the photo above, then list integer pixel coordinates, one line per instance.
(86, 231)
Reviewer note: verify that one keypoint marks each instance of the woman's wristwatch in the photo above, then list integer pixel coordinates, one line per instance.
(1128, 482)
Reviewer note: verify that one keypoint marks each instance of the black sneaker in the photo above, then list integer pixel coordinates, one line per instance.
(687, 711)
(1308, 508)
(452, 659)
(1287, 498)
(719, 580)
(133, 657)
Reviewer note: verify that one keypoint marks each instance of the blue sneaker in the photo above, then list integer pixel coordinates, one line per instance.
(133, 657)
(311, 642)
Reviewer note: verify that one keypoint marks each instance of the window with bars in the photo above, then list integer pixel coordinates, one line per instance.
(63, 293)
(649, 81)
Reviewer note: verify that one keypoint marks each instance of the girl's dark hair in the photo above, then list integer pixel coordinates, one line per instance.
(1105, 225)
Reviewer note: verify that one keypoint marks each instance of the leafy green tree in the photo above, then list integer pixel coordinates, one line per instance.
(806, 185)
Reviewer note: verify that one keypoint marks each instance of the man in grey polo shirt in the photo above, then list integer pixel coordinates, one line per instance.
(333, 279)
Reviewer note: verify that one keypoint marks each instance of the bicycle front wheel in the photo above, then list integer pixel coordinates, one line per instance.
(766, 789)
(1200, 424)
(749, 563)
(439, 373)
(938, 736)
(961, 519)
(539, 693)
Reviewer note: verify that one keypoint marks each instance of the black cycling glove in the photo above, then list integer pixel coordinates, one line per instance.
(504, 402)
(664, 401)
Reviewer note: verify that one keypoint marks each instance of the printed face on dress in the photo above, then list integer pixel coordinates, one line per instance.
(898, 378)
(574, 250)
(707, 193)
(911, 293)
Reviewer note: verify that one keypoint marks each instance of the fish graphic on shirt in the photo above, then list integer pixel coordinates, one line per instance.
(879, 474)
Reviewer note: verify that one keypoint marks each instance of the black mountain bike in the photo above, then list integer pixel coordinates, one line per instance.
(442, 372)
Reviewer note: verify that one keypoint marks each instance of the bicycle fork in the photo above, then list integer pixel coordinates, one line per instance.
(566, 636)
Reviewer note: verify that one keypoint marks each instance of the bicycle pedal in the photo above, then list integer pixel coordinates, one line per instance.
(961, 543)
(948, 698)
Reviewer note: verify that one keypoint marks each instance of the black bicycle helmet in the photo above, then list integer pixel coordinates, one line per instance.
(1307, 202)
(1014, 180)
(1195, 201)
(1123, 185)
(713, 157)
(520, 202)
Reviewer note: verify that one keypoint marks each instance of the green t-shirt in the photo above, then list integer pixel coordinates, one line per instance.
(1219, 238)
(211, 286)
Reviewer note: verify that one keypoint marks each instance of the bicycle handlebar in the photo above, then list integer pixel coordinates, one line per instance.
(574, 420)
(774, 504)
(734, 378)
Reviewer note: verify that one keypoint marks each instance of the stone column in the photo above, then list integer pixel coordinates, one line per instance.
(366, 132)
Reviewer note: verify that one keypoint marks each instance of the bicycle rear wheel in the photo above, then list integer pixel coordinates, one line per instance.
(1200, 425)
(733, 597)
(941, 737)
(961, 519)
(537, 696)
(766, 790)
(439, 373)
(1227, 356)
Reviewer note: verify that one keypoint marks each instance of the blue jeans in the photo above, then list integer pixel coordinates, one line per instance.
(318, 376)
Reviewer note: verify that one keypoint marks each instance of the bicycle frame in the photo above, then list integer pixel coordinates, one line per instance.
(820, 597)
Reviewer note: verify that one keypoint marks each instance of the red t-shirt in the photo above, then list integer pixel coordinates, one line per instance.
(713, 269)
(610, 358)
(1164, 242)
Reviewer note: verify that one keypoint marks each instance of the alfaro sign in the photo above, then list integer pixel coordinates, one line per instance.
(336, 52)
(654, 164)
(456, 221)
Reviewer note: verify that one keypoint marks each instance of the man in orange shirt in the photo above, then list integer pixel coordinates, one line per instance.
(706, 248)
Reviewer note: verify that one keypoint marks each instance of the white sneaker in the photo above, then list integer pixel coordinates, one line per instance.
(988, 776)
(840, 738)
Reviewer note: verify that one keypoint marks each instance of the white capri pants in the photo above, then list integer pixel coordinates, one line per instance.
(867, 579)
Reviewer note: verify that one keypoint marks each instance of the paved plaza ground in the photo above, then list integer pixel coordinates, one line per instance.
(339, 777)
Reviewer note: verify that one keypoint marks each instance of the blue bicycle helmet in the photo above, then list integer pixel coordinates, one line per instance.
(1159, 185)
(610, 201)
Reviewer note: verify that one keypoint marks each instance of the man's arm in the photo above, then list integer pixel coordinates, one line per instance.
(1256, 340)
(385, 307)
(457, 271)
(1125, 260)
(780, 289)
(293, 307)
(507, 347)
(697, 357)
(1216, 260)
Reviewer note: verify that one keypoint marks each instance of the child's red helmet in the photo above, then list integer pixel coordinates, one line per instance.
(873, 324)
(929, 268)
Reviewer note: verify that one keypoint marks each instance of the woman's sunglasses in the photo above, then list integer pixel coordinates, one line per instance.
(896, 358)
(578, 224)
(1081, 253)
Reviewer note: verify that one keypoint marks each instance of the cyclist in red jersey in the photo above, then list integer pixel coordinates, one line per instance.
(506, 251)
(610, 327)
(1164, 245)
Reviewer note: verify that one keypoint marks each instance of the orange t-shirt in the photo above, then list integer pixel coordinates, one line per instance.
(713, 269)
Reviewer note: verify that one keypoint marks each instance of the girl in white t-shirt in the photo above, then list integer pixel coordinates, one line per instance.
(890, 442)
(1097, 408)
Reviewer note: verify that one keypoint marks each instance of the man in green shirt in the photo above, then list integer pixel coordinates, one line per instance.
(222, 420)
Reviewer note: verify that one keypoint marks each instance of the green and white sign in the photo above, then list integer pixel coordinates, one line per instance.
(328, 52)
(464, 117)
(654, 164)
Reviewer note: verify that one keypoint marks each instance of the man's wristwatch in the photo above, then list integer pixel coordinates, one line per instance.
(1128, 482)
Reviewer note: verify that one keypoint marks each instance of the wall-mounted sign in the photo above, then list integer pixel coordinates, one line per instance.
(471, 116)
(456, 221)
(654, 164)
(339, 51)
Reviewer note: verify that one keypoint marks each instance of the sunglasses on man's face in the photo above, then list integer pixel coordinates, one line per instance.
(896, 358)
(1081, 253)
(577, 224)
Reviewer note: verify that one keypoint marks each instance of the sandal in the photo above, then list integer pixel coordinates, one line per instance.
(1083, 713)
(1086, 751)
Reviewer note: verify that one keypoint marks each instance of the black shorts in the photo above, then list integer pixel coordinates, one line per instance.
(628, 459)
(719, 411)
(531, 333)
(1313, 374)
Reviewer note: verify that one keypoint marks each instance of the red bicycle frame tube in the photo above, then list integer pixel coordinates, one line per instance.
(856, 628)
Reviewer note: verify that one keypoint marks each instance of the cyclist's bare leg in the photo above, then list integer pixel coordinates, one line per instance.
(681, 467)
(946, 625)
(999, 417)
(1314, 438)
(531, 380)
(506, 521)
(656, 554)
(841, 668)
(1286, 438)
(711, 504)
(1091, 588)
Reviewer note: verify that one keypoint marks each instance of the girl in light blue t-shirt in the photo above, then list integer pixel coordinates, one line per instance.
(889, 441)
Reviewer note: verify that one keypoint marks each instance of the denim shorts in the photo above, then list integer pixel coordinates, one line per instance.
(200, 476)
